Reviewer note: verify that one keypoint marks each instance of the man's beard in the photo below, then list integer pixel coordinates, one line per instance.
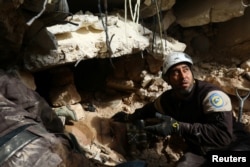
(185, 91)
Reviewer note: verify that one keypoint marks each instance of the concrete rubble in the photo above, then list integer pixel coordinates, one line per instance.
(86, 39)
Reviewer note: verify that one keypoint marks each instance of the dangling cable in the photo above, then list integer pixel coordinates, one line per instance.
(160, 28)
(125, 16)
(38, 15)
(131, 10)
(105, 26)
(135, 14)
(153, 38)
(137, 6)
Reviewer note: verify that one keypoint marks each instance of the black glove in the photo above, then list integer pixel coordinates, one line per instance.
(123, 117)
(168, 127)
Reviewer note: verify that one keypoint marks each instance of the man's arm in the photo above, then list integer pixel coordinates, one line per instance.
(217, 131)
(39, 110)
(147, 111)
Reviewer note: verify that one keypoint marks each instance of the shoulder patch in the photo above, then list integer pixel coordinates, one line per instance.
(216, 100)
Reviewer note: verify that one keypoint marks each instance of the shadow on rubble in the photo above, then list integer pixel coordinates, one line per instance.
(111, 134)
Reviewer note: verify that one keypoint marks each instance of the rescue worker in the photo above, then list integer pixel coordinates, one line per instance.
(198, 111)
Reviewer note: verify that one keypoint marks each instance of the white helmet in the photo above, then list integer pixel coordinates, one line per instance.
(175, 58)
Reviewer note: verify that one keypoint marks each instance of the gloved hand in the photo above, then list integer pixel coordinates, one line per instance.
(67, 112)
(168, 127)
(123, 117)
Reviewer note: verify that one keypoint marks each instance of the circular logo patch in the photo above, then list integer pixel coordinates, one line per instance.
(216, 100)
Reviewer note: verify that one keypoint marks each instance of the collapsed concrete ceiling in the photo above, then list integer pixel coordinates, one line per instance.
(43, 34)
(203, 28)
(39, 35)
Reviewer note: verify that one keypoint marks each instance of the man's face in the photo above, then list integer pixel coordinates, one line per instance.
(181, 78)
